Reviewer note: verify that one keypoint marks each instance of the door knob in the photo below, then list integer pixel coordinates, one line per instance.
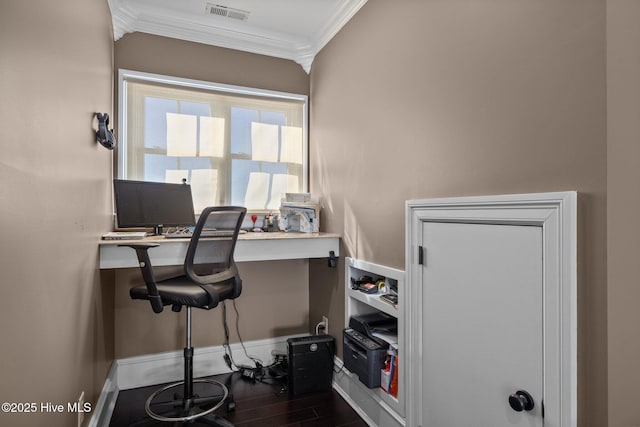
(521, 401)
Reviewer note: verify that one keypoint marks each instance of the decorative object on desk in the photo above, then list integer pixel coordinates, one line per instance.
(254, 218)
(103, 134)
(271, 223)
(267, 224)
(302, 216)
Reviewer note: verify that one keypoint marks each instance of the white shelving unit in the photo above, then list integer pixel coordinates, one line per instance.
(385, 408)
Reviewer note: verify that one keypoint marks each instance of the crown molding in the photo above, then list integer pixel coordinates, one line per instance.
(123, 19)
(135, 17)
(339, 19)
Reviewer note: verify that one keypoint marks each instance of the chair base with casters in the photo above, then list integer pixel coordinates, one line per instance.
(188, 407)
(210, 276)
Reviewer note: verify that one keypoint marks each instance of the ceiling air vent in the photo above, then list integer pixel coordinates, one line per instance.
(227, 12)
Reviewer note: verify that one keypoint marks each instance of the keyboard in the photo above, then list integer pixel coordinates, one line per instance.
(186, 234)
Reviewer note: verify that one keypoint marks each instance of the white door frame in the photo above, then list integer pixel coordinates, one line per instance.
(556, 213)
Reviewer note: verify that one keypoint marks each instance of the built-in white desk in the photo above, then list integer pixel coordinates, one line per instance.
(249, 247)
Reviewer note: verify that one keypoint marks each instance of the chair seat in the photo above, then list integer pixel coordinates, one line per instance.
(182, 291)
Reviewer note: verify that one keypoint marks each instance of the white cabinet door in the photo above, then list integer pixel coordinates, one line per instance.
(482, 324)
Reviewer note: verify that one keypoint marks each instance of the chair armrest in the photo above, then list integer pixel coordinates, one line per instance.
(142, 252)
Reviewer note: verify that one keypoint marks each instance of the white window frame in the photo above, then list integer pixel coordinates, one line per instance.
(125, 76)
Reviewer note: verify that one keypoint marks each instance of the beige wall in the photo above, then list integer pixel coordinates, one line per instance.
(275, 296)
(161, 55)
(456, 98)
(56, 338)
(484, 97)
(623, 205)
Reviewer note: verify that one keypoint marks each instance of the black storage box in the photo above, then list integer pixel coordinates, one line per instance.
(310, 363)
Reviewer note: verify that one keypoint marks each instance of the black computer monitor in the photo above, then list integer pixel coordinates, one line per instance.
(152, 204)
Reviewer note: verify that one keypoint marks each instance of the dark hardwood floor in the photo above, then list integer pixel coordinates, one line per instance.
(257, 404)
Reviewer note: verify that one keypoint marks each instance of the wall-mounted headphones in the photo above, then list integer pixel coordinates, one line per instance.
(103, 134)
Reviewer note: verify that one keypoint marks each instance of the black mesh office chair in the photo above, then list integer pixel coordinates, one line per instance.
(210, 276)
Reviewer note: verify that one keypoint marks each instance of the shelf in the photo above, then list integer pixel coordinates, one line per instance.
(374, 301)
(359, 303)
(377, 269)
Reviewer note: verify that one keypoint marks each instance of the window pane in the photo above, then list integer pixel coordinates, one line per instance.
(212, 136)
(291, 147)
(264, 142)
(204, 188)
(155, 122)
(261, 185)
(273, 117)
(281, 184)
(241, 119)
(155, 167)
(182, 135)
(195, 108)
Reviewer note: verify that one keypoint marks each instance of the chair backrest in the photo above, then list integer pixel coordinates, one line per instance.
(210, 260)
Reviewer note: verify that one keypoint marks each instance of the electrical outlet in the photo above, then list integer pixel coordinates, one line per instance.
(325, 321)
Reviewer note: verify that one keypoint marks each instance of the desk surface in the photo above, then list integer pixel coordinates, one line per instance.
(249, 247)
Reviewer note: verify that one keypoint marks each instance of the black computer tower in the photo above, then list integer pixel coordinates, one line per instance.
(310, 363)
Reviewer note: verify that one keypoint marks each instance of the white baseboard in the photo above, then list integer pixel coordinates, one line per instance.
(107, 400)
(374, 411)
(159, 368)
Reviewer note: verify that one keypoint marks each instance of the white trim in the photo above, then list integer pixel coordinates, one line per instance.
(369, 406)
(146, 370)
(125, 76)
(354, 405)
(159, 368)
(106, 401)
(556, 213)
(132, 17)
(122, 125)
(335, 24)
(140, 371)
